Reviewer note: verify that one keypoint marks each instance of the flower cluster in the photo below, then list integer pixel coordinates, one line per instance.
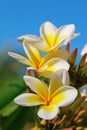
(49, 75)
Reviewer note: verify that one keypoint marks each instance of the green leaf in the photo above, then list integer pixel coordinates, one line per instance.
(18, 120)
(7, 121)
(9, 109)
(8, 93)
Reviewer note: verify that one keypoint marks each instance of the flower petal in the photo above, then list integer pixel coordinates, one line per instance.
(20, 58)
(28, 38)
(44, 69)
(41, 45)
(75, 35)
(38, 71)
(58, 79)
(65, 77)
(70, 38)
(34, 41)
(66, 31)
(63, 35)
(28, 99)
(55, 54)
(62, 42)
(33, 54)
(64, 96)
(54, 65)
(37, 86)
(48, 33)
(48, 112)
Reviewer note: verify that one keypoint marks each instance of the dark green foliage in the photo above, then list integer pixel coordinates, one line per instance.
(12, 116)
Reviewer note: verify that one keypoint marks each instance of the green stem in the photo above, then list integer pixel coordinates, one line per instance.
(36, 119)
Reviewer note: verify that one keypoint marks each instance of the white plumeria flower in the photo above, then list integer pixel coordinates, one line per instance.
(84, 51)
(58, 94)
(51, 36)
(42, 65)
(83, 91)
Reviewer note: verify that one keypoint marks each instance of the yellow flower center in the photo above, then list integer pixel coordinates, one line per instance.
(48, 102)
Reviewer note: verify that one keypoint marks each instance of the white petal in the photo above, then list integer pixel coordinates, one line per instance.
(39, 71)
(28, 38)
(58, 79)
(46, 29)
(57, 64)
(20, 58)
(33, 54)
(65, 77)
(71, 37)
(62, 42)
(44, 69)
(55, 54)
(65, 96)
(48, 112)
(34, 41)
(75, 35)
(54, 64)
(41, 45)
(37, 86)
(28, 99)
(66, 30)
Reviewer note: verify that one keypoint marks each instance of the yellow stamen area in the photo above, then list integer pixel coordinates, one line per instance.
(48, 102)
(54, 101)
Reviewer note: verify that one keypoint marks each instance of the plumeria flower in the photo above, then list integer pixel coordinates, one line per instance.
(84, 51)
(42, 66)
(51, 37)
(58, 94)
(83, 91)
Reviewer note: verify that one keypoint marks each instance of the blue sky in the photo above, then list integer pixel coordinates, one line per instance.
(20, 17)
